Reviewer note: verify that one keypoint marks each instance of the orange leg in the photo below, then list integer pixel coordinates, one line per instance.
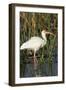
(35, 61)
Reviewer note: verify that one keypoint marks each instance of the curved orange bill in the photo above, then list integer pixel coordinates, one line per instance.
(50, 33)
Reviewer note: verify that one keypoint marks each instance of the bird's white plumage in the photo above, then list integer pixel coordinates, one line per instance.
(34, 43)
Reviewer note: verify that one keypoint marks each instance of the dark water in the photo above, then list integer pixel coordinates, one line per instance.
(44, 69)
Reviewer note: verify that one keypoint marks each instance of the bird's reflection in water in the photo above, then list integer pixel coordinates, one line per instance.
(41, 69)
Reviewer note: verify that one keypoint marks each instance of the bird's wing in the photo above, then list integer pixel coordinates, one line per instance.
(34, 43)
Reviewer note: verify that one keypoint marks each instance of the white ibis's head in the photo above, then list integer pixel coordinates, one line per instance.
(44, 32)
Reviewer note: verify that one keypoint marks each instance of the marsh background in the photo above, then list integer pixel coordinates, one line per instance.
(31, 24)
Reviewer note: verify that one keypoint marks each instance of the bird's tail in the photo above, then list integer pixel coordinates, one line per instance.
(23, 46)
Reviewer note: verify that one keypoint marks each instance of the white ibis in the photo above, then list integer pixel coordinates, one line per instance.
(35, 43)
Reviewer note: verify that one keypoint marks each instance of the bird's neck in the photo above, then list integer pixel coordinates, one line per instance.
(44, 36)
